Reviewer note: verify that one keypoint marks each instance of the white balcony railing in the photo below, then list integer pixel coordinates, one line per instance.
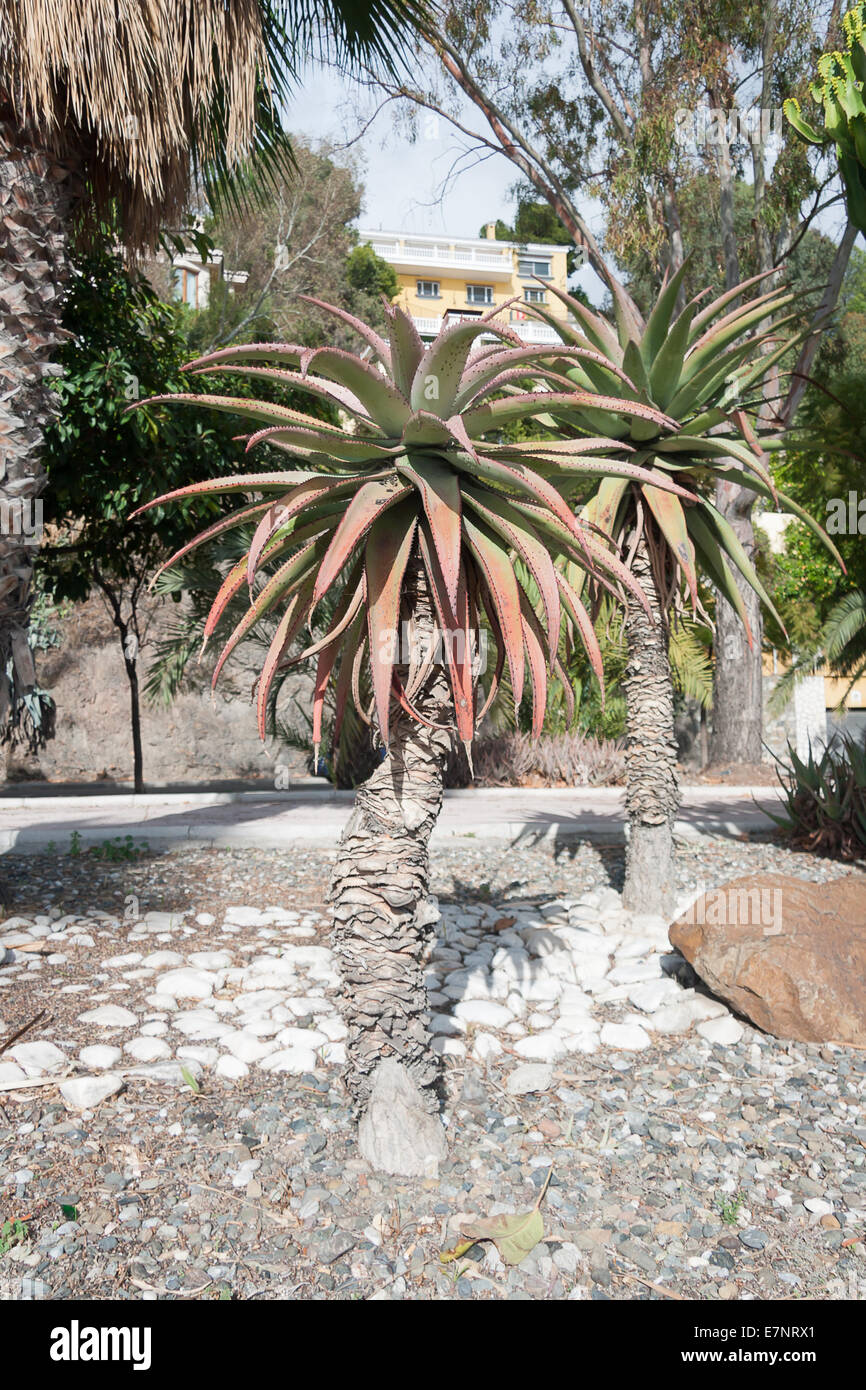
(530, 330)
(444, 256)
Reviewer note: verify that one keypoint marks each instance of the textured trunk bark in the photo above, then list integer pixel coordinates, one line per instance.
(35, 204)
(383, 928)
(738, 703)
(652, 792)
(135, 720)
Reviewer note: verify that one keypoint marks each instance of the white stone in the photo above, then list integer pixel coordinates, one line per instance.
(633, 973)
(109, 1016)
(818, 1206)
(308, 957)
(653, 994)
(232, 1068)
(725, 1031)
(248, 1048)
(334, 1029)
(9, 1072)
(190, 1053)
(148, 1049)
(259, 999)
(294, 1059)
(166, 1071)
(39, 1057)
(590, 967)
(189, 983)
(577, 1021)
(100, 1056)
(205, 919)
(334, 1053)
(486, 1046)
(201, 1025)
(310, 1004)
(483, 1011)
(629, 1037)
(210, 960)
(541, 1047)
(541, 988)
(241, 916)
(636, 947)
(672, 1018)
(447, 1026)
(309, 1038)
(166, 1003)
(84, 1092)
(274, 976)
(528, 1078)
(261, 1027)
(448, 1047)
(158, 959)
(581, 1042)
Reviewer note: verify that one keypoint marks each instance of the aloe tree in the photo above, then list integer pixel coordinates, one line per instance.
(417, 514)
(705, 367)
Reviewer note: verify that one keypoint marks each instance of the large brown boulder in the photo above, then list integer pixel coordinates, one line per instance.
(786, 954)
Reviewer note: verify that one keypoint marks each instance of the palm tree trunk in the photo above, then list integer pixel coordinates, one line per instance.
(35, 203)
(383, 920)
(652, 792)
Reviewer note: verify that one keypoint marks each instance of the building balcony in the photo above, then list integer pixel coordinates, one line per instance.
(530, 330)
(409, 256)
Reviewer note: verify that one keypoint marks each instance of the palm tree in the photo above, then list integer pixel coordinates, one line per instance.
(416, 519)
(117, 111)
(706, 368)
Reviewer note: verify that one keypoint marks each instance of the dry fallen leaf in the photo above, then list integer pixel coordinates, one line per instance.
(514, 1235)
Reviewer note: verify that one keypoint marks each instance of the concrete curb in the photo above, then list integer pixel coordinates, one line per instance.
(176, 820)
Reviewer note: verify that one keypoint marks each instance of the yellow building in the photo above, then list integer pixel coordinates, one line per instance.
(445, 276)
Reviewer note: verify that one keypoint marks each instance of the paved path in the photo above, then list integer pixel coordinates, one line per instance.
(316, 816)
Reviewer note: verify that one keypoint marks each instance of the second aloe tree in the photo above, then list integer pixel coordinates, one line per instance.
(705, 367)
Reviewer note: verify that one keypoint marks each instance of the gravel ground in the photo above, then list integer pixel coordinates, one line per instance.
(682, 1166)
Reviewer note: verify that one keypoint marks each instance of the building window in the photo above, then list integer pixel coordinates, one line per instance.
(186, 286)
(479, 294)
(527, 266)
(535, 296)
(428, 289)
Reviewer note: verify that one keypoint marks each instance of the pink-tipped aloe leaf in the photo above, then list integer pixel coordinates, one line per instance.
(386, 555)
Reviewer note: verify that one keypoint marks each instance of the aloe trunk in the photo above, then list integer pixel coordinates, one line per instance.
(384, 926)
(652, 793)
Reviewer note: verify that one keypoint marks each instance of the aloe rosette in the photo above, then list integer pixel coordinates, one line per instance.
(704, 367)
(416, 471)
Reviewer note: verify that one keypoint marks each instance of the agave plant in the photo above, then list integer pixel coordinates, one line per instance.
(418, 517)
(839, 91)
(825, 799)
(701, 366)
